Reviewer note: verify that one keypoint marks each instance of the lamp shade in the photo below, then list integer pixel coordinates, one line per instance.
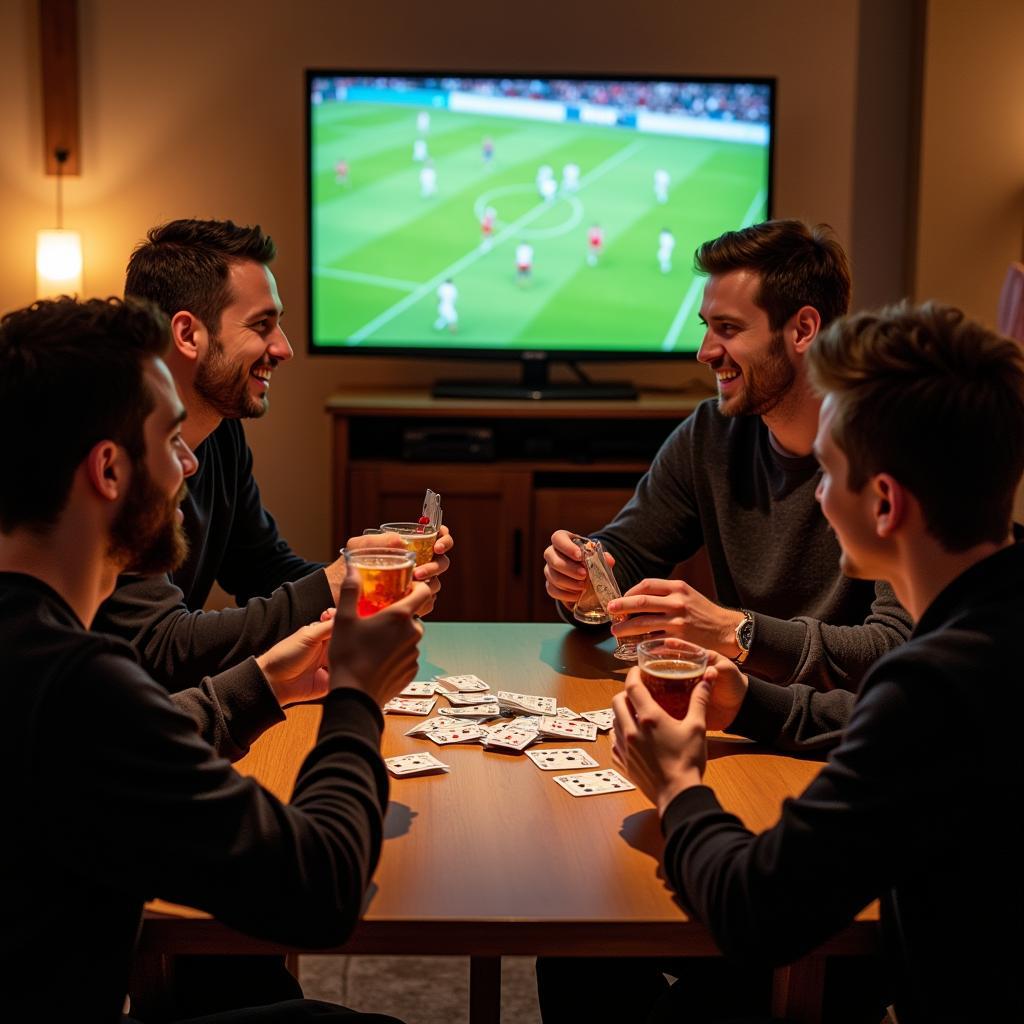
(58, 263)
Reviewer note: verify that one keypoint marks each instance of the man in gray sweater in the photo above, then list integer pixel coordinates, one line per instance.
(738, 476)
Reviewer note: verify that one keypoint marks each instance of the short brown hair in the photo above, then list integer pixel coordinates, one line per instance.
(798, 265)
(937, 401)
(71, 374)
(184, 265)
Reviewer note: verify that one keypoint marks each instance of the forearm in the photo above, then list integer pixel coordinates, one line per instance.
(179, 647)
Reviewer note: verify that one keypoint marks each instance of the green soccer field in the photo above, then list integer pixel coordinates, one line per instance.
(380, 249)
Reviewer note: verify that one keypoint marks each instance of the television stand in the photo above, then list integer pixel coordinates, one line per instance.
(515, 390)
(536, 386)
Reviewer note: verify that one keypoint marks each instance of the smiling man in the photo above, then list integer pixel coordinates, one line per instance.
(739, 476)
(213, 281)
(921, 443)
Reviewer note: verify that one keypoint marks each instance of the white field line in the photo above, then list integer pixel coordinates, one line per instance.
(476, 253)
(355, 275)
(686, 307)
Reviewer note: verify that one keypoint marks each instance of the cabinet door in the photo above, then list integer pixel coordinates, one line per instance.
(586, 510)
(488, 512)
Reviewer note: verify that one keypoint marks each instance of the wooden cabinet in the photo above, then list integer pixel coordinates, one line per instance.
(551, 465)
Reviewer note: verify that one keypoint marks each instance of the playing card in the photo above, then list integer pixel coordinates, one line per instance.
(461, 684)
(527, 703)
(457, 699)
(560, 758)
(414, 764)
(566, 713)
(470, 711)
(469, 732)
(509, 737)
(419, 689)
(427, 725)
(577, 729)
(593, 783)
(603, 719)
(410, 706)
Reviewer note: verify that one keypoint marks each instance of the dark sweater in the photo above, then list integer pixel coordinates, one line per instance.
(915, 807)
(115, 797)
(234, 541)
(718, 481)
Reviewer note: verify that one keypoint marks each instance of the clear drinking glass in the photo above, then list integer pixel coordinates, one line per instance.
(385, 575)
(606, 589)
(670, 669)
(417, 537)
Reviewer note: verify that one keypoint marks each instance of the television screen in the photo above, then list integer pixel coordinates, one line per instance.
(494, 215)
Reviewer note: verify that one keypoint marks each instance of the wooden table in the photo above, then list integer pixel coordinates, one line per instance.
(494, 858)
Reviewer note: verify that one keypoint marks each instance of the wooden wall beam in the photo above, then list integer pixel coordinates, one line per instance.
(58, 47)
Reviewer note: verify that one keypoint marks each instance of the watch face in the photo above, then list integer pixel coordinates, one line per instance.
(746, 633)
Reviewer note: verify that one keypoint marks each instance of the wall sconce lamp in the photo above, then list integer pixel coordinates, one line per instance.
(58, 251)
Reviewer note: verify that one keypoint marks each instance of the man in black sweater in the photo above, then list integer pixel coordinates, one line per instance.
(117, 792)
(921, 444)
(213, 281)
(738, 476)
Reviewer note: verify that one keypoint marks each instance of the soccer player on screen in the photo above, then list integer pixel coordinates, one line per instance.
(447, 315)
(487, 150)
(666, 243)
(524, 262)
(341, 172)
(487, 228)
(571, 177)
(661, 183)
(595, 242)
(423, 122)
(428, 180)
(419, 151)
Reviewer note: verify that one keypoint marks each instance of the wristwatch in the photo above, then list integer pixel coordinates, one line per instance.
(744, 636)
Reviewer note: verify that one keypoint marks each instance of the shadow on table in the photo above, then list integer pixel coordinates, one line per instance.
(642, 831)
(583, 654)
(398, 820)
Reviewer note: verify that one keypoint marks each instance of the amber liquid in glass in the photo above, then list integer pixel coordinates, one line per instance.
(671, 681)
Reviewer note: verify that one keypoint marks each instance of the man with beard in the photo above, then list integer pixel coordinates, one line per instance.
(738, 476)
(213, 282)
(117, 791)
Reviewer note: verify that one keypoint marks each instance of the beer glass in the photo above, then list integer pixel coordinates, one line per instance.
(670, 669)
(419, 539)
(385, 575)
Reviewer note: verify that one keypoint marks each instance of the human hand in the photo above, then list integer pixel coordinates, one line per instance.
(377, 654)
(676, 609)
(336, 570)
(295, 667)
(565, 574)
(430, 571)
(661, 754)
(728, 691)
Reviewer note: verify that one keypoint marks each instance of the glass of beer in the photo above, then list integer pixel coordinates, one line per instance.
(385, 575)
(419, 539)
(670, 669)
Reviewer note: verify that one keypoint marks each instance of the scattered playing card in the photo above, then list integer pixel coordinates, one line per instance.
(560, 758)
(414, 764)
(468, 733)
(470, 711)
(419, 689)
(527, 703)
(593, 783)
(566, 713)
(422, 728)
(603, 719)
(561, 727)
(509, 737)
(461, 684)
(457, 699)
(410, 706)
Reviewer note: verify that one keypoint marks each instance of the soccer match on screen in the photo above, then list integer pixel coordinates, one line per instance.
(513, 214)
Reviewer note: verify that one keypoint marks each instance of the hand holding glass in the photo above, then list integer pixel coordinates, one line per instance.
(417, 538)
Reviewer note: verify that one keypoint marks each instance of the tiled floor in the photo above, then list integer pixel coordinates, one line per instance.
(417, 990)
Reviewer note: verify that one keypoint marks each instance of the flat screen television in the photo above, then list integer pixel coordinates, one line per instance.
(533, 218)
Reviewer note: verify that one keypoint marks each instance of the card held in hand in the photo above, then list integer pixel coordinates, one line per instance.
(594, 783)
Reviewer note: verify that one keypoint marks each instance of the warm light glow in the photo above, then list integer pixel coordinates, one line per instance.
(58, 263)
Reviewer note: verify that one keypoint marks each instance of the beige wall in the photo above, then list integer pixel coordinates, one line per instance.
(195, 109)
(971, 207)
